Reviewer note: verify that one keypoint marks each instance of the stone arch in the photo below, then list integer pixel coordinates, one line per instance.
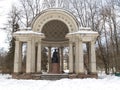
(55, 14)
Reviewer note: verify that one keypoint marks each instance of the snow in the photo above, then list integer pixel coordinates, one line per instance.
(84, 32)
(27, 32)
(105, 82)
(86, 28)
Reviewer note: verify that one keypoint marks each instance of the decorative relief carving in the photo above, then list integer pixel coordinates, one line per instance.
(44, 19)
(41, 22)
(70, 25)
(55, 16)
(65, 19)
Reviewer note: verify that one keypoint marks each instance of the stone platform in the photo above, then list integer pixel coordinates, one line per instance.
(52, 76)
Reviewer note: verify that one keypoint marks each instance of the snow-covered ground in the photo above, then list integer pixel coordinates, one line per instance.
(103, 83)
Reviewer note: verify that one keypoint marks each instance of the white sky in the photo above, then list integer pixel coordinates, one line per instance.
(5, 7)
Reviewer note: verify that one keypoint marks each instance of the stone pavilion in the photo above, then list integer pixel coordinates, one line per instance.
(55, 28)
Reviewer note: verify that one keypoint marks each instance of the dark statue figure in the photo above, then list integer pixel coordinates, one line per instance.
(55, 58)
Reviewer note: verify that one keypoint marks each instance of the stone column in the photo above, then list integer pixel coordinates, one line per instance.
(61, 59)
(28, 60)
(74, 58)
(49, 59)
(92, 58)
(79, 63)
(33, 56)
(76, 55)
(80, 60)
(39, 58)
(18, 57)
(70, 57)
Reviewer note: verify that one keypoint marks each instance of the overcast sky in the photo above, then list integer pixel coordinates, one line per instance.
(5, 6)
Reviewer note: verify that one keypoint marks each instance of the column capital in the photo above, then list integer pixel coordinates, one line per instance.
(78, 40)
(39, 40)
(93, 39)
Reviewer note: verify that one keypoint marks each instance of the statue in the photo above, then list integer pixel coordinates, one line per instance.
(55, 57)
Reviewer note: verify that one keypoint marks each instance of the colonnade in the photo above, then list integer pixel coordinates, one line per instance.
(78, 68)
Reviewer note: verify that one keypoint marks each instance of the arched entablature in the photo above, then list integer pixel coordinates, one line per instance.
(55, 14)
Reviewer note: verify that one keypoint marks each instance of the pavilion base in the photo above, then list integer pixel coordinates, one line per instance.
(39, 76)
(22, 76)
(91, 75)
(51, 76)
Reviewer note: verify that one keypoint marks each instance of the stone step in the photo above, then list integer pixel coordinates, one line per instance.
(50, 76)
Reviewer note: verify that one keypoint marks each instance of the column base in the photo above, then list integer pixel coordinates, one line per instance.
(22, 76)
(91, 75)
(38, 72)
(72, 76)
(83, 75)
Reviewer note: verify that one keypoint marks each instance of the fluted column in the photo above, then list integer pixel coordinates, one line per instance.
(70, 57)
(39, 58)
(61, 59)
(76, 55)
(28, 61)
(49, 59)
(80, 60)
(18, 57)
(79, 63)
(92, 57)
(33, 56)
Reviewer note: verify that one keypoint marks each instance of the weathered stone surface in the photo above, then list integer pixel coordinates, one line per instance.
(22, 76)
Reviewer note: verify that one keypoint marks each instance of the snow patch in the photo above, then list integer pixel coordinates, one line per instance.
(108, 82)
(84, 32)
(27, 32)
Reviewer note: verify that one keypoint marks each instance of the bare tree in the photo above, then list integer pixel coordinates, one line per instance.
(30, 8)
(13, 21)
(56, 4)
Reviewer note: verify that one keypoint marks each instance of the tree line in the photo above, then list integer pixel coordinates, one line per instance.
(101, 15)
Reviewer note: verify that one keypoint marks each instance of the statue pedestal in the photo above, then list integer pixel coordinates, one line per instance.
(55, 68)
